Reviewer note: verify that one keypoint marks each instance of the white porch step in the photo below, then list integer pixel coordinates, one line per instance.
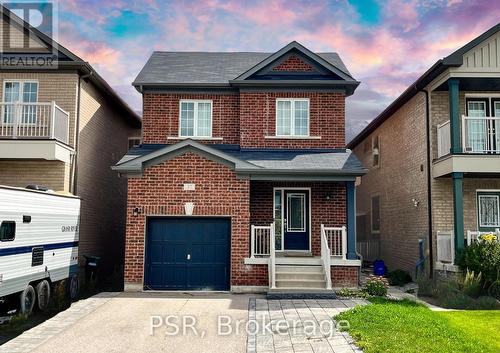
(294, 275)
(299, 268)
(300, 283)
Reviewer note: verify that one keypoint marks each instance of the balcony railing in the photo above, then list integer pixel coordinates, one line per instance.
(34, 121)
(479, 135)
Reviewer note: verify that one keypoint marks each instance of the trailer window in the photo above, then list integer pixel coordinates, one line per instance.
(7, 231)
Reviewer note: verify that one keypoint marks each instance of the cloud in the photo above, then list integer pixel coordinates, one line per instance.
(387, 53)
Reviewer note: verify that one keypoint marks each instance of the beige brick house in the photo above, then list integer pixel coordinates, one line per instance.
(62, 127)
(434, 159)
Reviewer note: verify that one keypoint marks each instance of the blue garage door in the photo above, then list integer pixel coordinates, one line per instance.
(187, 253)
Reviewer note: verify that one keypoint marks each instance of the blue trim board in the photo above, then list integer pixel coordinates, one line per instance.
(28, 249)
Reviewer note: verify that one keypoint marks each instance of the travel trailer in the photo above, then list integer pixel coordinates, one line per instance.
(38, 245)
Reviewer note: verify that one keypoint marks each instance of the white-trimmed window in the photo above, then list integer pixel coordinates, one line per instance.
(292, 117)
(195, 118)
(20, 92)
(488, 210)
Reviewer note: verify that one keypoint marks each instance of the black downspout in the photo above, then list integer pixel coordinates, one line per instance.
(429, 180)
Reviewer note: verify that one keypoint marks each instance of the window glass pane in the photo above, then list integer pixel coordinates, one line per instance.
(7, 230)
(488, 211)
(375, 213)
(11, 94)
(277, 219)
(301, 118)
(497, 109)
(477, 109)
(30, 95)
(187, 119)
(296, 208)
(204, 120)
(284, 115)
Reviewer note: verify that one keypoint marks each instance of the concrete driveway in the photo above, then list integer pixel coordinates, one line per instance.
(123, 324)
(183, 322)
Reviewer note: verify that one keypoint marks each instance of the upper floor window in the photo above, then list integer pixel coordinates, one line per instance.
(292, 117)
(20, 92)
(195, 118)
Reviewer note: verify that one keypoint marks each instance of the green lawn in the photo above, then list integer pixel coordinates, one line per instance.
(405, 326)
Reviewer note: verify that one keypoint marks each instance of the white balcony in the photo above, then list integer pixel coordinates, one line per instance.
(479, 135)
(34, 121)
(34, 131)
(480, 151)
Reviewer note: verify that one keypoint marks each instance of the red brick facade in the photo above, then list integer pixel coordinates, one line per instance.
(293, 63)
(345, 276)
(247, 118)
(331, 212)
(218, 193)
(161, 116)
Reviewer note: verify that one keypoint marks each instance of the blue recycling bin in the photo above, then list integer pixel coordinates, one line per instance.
(379, 268)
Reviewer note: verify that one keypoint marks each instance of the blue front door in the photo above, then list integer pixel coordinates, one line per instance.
(187, 253)
(296, 219)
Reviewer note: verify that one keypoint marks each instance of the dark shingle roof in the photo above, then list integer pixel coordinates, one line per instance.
(252, 161)
(207, 67)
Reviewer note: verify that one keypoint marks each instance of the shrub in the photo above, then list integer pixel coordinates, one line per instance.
(377, 286)
(426, 286)
(482, 256)
(398, 278)
(494, 289)
(472, 285)
(60, 300)
(351, 293)
(485, 303)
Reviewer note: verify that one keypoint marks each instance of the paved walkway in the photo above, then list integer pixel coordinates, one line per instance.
(298, 326)
(31, 339)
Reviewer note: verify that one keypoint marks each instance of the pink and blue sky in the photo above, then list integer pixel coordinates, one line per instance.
(385, 44)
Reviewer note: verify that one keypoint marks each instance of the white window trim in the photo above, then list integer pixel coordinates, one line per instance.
(479, 210)
(195, 122)
(21, 92)
(304, 204)
(292, 121)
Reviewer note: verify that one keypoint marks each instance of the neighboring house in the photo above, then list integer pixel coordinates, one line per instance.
(232, 143)
(63, 128)
(434, 161)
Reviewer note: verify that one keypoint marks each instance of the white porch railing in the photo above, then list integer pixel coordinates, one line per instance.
(446, 243)
(444, 140)
(263, 244)
(473, 236)
(272, 259)
(261, 240)
(34, 121)
(336, 238)
(481, 134)
(325, 257)
(445, 247)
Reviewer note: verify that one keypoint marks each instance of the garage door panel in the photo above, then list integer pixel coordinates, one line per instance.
(170, 240)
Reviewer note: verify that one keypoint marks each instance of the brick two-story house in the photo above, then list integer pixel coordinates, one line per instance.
(243, 181)
(61, 127)
(434, 162)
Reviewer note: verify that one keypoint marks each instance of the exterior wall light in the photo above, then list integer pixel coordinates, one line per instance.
(136, 211)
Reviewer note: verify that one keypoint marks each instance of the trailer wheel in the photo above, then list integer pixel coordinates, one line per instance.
(73, 287)
(43, 294)
(27, 300)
